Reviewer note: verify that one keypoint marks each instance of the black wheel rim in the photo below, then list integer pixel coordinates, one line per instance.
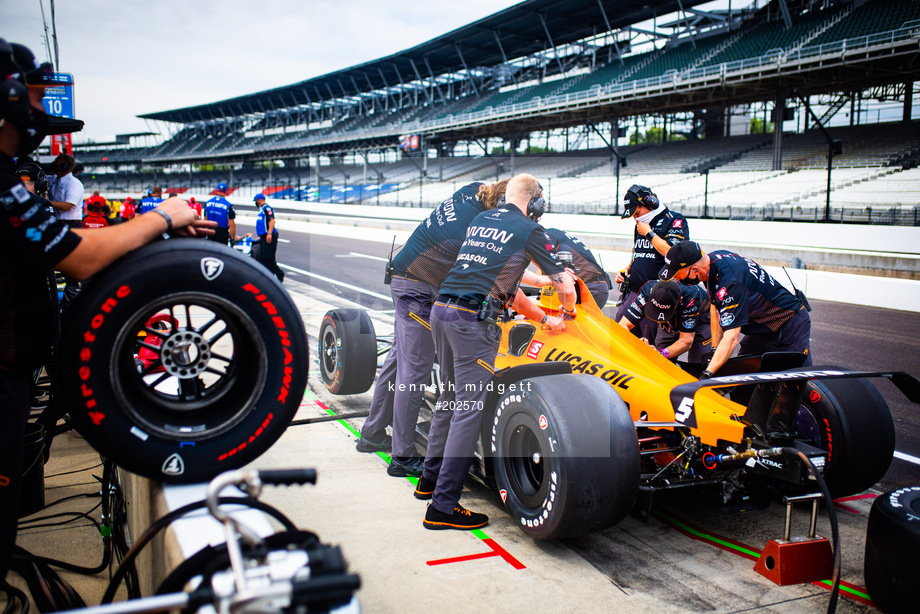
(329, 352)
(525, 460)
(198, 378)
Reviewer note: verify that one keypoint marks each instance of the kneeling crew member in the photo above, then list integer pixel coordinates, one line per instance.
(745, 299)
(498, 247)
(673, 317)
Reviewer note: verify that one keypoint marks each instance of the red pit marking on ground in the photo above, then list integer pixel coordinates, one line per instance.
(496, 551)
(838, 502)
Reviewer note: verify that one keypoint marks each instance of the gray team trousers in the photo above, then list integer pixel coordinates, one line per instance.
(406, 369)
(466, 349)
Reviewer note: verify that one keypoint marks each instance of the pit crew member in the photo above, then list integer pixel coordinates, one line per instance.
(498, 247)
(218, 209)
(586, 265)
(66, 191)
(417, 271)
(32, 240)
(95, 213)
(268, 236)
(745, 299)
(673, 317)
(657, 229)
(151, 201)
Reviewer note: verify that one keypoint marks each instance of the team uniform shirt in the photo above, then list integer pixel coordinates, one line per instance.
(32, 241)
(692, 311)
(148, 204)
(746, 296)
(432, 248)
(266, 214)
(586, 265)
(95, 220)
(498, 247)
(220, 210)
(68, 189)
(196, 207)
(670, 226)
(127, 210)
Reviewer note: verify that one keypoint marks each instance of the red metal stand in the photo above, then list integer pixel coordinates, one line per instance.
(799, 559)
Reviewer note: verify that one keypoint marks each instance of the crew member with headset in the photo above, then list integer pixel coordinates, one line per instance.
(657, 229)
(32, 241)
(218, 209)
(483, 281)
(745, 299)
(268, 236)
(151, 201)
(414, 276)
(586, 265)
(673, 317)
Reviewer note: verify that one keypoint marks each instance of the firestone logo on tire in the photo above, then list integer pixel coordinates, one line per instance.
(174, 465)
(211, 268)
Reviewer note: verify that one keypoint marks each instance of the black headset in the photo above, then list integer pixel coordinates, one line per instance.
(14, 95)
(536, 207)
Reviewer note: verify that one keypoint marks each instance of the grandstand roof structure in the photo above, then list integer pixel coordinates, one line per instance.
(551, 64)
(526, 28)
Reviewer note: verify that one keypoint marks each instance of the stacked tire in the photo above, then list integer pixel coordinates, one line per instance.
(892, 565)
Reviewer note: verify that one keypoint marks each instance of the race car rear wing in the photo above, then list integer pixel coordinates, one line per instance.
(770, 398)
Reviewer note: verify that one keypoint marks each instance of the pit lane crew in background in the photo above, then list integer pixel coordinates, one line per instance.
(672, 317)
(268, 236)
(745, 299)
(218, 209)
(127, 210)
(482, 282)
(31, 242)
(66, 191)
(151, 201)
(195, 205)
(586, 265)
(95, 213)
(657, 229)
(35, 180)
(417, 271)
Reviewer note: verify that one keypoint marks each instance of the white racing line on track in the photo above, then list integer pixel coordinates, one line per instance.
(336, 283)
(357, 255)
(907, 457)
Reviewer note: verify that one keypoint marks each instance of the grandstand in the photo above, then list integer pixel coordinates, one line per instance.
(583, 81)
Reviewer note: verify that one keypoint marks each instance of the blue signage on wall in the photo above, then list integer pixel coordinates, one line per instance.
(59, 98)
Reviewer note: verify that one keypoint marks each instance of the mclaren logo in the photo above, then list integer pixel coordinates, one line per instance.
(174, 465)
(211, 268)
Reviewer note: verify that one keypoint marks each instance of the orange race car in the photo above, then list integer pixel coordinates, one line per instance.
(583, 426)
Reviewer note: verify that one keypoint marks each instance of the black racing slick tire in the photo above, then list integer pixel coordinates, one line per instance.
(347, 351)
(183, 360)
(892, 566)
(566, 456)
(850, 420)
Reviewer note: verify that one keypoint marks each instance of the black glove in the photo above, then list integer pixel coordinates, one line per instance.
(706, 374)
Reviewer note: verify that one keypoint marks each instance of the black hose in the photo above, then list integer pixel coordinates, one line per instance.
(346, 416)
(832, 517)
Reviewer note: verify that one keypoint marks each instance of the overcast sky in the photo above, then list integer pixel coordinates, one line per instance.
(130, 57)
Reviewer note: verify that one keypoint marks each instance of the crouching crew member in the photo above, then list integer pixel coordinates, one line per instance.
(672, 317)
(745, 299)
(484, 280)
(415, 274)
(657, 229)
(586, 265)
